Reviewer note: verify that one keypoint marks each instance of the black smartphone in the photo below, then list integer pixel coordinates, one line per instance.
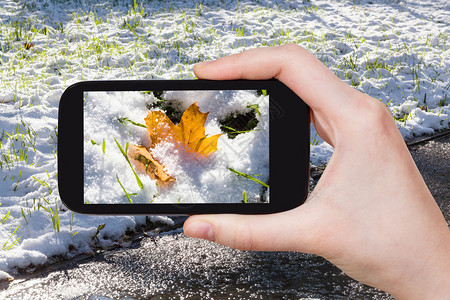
(181, 147)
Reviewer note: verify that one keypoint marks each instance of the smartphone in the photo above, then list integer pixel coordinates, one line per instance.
(182, 147)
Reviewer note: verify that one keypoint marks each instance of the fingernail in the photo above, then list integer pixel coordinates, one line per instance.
(200, 230)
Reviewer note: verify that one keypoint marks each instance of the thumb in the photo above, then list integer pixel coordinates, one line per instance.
(293, 230)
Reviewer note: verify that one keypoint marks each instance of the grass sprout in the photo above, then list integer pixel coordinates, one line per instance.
(314, 140)
(23, 215)
(5, 217)
(44, 184)
(249, 177)
(15, 145)
(125, 119)
(5, 246)
(125, 191)
(99, 228)
(124, 153)
(18, 180)
(236, 132)
(71, 223)
(53, 212)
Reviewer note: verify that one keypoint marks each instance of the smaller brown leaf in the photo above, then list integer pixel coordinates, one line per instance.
(144, 162)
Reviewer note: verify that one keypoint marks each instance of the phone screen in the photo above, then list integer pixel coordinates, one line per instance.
(176, 146)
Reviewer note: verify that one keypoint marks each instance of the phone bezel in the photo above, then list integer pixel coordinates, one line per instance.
(289, 139)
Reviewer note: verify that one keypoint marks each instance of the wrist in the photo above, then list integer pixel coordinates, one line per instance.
(428, 277)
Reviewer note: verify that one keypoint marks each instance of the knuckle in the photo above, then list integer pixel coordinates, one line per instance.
(369, 112)
(377, 113)
(291, 50)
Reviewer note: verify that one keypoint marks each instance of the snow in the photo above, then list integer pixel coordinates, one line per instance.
(5, 276)
(396, 51)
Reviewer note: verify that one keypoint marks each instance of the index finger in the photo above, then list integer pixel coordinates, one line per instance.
(331, 100)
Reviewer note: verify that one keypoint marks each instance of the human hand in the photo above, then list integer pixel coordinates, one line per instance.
(371, 213)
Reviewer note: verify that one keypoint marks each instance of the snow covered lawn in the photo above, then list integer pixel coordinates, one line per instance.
(396, 51)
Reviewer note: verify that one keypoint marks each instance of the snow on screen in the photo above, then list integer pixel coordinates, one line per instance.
(116, 116)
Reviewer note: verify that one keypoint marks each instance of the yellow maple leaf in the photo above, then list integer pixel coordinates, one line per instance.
(190, 131)
(160, 127)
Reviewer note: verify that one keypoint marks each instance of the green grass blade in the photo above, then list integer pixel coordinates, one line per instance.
(249, 177)
(139, 182)
(56, 216)
(103, 146)
(126, 119)
(71, 222)
(4, 247)
(23, 215)
(238, 131)
(126, 193)
(244, 194)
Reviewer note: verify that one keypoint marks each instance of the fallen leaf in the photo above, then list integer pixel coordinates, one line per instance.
(190, 131)
(144, 162)
(160, 127)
